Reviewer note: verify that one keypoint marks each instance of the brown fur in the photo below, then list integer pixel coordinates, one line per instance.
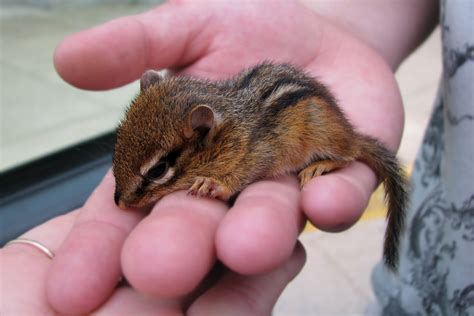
(218, 137)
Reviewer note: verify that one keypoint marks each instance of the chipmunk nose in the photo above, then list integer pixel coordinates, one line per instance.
(119, 202)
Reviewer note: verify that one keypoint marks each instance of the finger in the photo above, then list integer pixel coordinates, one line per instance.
(334, 202)
(118, 52)
(260, 231)
(27, 268)
(52, 233)
(171, 251)
(86, 267)
(127, 301)
(236, 294)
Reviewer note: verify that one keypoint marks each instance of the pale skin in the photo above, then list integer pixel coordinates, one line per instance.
(169, 252)
(25, 271)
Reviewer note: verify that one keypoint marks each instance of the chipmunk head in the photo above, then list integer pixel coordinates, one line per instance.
(157, 139)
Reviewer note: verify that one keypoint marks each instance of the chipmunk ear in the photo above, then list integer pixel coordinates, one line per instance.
(202, 120)
(150, 78)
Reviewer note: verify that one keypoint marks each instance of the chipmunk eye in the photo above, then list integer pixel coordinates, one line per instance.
(157, 171)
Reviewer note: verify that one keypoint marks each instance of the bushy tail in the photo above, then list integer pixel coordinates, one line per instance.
(389, 171)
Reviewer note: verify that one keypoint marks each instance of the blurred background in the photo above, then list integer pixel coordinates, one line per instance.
(40, 112)
(40, 115)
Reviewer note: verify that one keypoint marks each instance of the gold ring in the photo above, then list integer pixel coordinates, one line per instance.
(33, 243)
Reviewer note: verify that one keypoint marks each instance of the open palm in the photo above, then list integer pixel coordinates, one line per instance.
(169, 252)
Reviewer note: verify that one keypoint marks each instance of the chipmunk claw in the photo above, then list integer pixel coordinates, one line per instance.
(211, 188)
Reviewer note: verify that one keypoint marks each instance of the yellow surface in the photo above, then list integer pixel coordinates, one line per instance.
(376, 208)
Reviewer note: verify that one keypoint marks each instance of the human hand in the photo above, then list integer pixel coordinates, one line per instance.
(25, 272)
(216, 40)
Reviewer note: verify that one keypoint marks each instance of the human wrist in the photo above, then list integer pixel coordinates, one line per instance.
(393, 28)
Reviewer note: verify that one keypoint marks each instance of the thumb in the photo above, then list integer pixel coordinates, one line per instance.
(118, 52)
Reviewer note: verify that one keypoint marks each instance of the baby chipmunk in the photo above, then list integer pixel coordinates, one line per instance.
(215, 138)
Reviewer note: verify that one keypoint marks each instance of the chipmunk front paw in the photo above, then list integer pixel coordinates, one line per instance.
(208, 187)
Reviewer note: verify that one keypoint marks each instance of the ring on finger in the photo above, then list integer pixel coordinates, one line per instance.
(33, 243)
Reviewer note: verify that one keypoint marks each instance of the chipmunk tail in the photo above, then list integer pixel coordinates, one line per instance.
(389, 171)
